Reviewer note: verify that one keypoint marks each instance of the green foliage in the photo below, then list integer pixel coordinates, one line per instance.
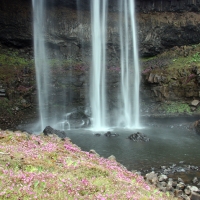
(12, 66)
(13, 59)
(70, 162)
(91, 172)
(168, 194)
(195, 58)
(179, 62)
(176, 107)
(31, 168)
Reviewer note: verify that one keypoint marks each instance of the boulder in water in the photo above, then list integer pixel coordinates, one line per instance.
(138, 137)
(110, 134)
(49, 131)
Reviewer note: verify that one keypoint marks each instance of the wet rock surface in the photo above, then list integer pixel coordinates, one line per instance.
(141, 5)
(138, 137)
(50, 131)
(175, 186)
(162, 25)
(110, 134)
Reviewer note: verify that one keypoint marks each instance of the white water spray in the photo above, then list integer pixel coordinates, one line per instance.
(129, 65)
(130, 75)
(41, 63)
(98, 77)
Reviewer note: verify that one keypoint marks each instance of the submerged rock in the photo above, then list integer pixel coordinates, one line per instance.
(110, 134)
(49, 131)
(138, 137)
(97, 134)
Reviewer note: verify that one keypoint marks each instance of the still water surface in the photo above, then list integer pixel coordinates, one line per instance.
(166, 146)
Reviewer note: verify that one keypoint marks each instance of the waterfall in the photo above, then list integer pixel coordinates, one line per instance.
(41, 62)
(130, 75)
(98, 68)
(128, 111)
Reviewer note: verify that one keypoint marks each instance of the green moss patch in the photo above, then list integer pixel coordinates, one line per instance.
(175, 108)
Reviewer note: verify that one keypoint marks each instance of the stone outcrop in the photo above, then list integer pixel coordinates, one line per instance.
(166, 6)
(177, 187)
(141, 5)
(50, 131)
(138, 137)
(161, 25)
(16, 23)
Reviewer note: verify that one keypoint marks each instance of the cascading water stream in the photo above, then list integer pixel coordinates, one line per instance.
(130, 76)
(98, 71)
(41, 62)
(129, 104)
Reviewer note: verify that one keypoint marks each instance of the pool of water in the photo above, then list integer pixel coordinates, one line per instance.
(167, 145)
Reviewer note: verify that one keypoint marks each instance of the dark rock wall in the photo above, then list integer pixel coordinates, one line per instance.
(161, 31)
(161, 25)
(16, 23)
(141, 5)
(168, 5)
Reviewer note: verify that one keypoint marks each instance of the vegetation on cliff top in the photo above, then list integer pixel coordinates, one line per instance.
(177, 72)
(44, 167)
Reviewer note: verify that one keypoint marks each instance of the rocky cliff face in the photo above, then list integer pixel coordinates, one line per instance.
(160, 31)
(168, 5)
(16, 23)
(162, 25)
(141, 5)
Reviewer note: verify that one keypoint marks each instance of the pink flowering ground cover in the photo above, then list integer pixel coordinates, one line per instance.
(43, 167)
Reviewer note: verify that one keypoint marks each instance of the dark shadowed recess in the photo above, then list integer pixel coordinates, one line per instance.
(141, 5)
